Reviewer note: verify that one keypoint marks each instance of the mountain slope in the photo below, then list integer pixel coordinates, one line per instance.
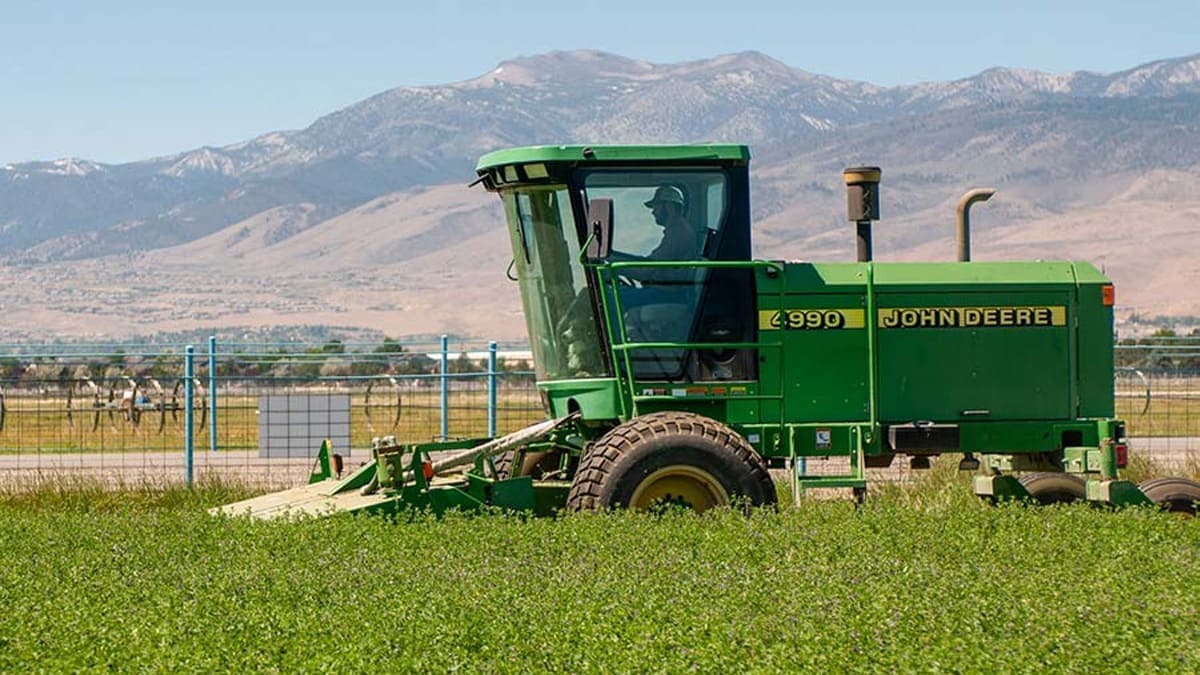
(327, 223)
(414, 136)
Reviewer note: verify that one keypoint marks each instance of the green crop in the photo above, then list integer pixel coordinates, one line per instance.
(136, 581)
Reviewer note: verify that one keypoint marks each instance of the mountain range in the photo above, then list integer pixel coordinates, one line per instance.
(363, 219)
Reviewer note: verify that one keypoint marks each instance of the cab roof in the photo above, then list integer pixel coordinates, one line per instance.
(613, 153)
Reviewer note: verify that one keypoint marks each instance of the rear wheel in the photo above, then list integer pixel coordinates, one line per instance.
(670, 458)
(1177, 495)
(1048, 487)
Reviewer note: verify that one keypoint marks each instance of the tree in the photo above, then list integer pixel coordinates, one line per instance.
(389, 346)
(10, 368)
(375, 366)
(464, 364)
(166, 366)
(416, 364)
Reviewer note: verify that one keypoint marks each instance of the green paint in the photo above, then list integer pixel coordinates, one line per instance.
(1000, 488)
(1115, 492)
(322, 470)
(641, 154)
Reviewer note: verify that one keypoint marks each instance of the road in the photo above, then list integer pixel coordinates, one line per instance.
(1168, 451)
(160, 468)
(245, 466)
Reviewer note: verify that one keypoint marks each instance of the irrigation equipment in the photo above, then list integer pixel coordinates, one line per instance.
(385, 408)
(129, 400)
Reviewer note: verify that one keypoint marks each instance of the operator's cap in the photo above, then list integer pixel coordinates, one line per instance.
(666, 193)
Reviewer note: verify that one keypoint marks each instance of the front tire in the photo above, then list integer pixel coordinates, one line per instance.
(671, 458)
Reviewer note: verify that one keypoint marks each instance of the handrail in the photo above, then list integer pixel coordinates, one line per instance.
(623, 347)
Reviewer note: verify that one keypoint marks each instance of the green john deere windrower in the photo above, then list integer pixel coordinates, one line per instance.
(677, 369)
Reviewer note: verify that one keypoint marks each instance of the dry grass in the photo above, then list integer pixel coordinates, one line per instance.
(1169, 414)
(42, 424)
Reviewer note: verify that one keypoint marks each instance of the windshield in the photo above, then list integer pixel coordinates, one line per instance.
(559, 310)
(661, 215)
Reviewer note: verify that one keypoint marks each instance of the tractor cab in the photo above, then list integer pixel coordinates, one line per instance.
(627, 259)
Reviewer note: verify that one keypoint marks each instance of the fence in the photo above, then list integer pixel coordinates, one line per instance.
(256, 409)
(121, 414)
(1158, 394)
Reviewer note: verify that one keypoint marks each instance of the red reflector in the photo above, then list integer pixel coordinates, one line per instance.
(1122, 452)
(427, 469)
(1108, 295)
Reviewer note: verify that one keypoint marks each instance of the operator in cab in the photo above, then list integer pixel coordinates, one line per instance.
(679, 240)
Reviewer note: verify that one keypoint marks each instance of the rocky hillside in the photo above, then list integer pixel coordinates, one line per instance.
(376, 191)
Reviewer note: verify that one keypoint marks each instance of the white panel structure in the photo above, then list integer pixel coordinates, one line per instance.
(294, 425)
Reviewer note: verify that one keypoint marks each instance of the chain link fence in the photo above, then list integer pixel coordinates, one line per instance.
(1158, 394)
(259, 411)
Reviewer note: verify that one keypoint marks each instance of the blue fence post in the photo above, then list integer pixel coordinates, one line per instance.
(492, 389)
(445, 387)
(212, 393)
(189, 390)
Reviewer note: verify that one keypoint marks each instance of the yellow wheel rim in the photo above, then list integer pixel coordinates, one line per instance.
(682, 485)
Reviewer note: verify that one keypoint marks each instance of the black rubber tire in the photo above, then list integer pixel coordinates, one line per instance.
(1052, 487)
(1177, 495)
(535, 464)
(614, 467)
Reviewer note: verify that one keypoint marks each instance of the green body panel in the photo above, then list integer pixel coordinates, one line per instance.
(1022, 436)
(955, 374)
(989, 347)
(595, 398)
(993, 372)
(514, 493)
(821, 374)
(732, 401)
(821, 439)
(1095, 344)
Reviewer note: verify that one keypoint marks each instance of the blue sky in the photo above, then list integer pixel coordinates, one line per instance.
(119, 81)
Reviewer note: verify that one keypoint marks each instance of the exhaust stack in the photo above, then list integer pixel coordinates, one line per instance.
(862, 203)
(964, 219)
